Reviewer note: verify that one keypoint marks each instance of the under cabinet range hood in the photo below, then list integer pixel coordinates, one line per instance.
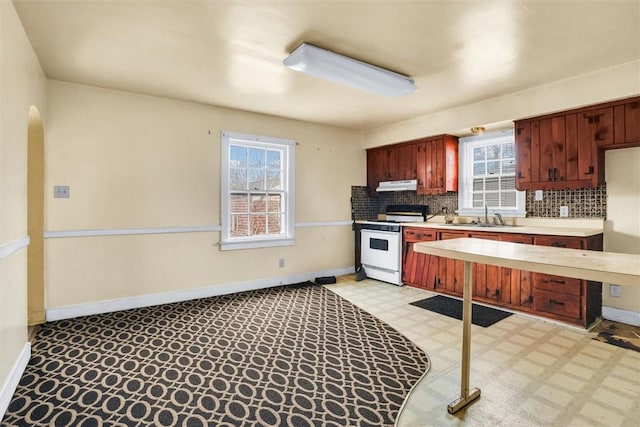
(406, 185)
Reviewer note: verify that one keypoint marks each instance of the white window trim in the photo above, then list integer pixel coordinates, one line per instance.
(465, 179)
(227, 243)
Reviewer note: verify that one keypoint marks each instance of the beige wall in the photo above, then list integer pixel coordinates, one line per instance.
(22, 84)
(135, 161)
(622, 227)
(612, 83)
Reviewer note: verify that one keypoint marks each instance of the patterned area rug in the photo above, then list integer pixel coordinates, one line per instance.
(286, 356)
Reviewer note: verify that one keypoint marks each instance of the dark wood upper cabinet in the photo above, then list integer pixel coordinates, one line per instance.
(565, 150)
(438, 165)
(626, 131)
(432, 161)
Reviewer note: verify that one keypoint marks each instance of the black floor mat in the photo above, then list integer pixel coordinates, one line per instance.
(480, 315)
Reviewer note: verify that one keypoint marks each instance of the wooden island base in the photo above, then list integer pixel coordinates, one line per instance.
(621, 269)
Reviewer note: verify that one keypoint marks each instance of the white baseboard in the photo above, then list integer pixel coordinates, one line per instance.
(622, 316)
(108, 306)
(11, 383)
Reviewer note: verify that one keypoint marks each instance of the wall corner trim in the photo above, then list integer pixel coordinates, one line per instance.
(107, 306)
(13, 379)
(13, 247)
(622, 316)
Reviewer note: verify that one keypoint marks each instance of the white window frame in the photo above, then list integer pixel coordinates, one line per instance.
(465, 176)
(287, 237)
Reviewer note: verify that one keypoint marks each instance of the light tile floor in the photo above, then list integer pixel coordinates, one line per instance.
(531, 372)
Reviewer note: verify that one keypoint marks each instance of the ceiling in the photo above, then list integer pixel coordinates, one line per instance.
(229, 52)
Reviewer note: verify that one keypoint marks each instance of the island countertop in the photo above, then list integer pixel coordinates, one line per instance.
(611, 267)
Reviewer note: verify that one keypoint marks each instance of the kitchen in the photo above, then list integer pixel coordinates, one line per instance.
(167, 147)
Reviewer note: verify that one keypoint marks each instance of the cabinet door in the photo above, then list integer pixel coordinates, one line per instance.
(516, 285)
(430, 164)
(560, 241)
(419, 270)
(437, 165)
(523, 155)
(451, 272)
(487, 277)
(376, 168)
(553, 153)
(627, 124)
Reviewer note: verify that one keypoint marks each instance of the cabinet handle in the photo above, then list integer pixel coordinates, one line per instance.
(552, 301)
(520, 176)
(590, 171)
(599, 137)
(559, 282)
(529, 300)
(549, 175)
(441, 182)
(595, 118)
(497, 293)
(557, 244)
(556, 174)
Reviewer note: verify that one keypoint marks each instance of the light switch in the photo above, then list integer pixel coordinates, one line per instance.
(61, 191)
(538, 195)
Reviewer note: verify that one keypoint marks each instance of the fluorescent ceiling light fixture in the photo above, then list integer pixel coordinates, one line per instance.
(341, 69)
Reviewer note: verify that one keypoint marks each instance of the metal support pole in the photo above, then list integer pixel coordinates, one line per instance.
(466, 397)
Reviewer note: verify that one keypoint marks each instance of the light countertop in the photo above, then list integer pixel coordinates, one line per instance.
(542, 226)
(622, 269)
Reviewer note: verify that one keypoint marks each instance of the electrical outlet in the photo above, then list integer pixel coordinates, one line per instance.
(564, 211)
(61, 191)
(538, 195)
(281, 262)
(614, 290)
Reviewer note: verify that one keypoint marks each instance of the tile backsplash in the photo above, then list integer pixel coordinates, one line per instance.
(582, 203)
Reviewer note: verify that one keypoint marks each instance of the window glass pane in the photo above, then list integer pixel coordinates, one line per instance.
(256, 157)
(239, 203)
(493, 152)
(478, 168)
(478, 184)
(258, 225)
(492, 199)
(508, 198)
(508, 150)
(256, 179)
(509, 166)
(478, 200)
(275, 222)
(274, 180)
(478, 153)
(237, 156)
(237, 179)
(239, 225)
(274, 159)
(493, 167)
(274, 203)
(492, 184)
(508, 183)
(258, 203)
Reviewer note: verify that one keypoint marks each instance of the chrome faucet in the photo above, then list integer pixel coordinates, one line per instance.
(499, 218)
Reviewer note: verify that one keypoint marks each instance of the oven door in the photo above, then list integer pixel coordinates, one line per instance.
(380, 254)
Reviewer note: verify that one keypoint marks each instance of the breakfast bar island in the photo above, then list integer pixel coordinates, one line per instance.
(617, 268)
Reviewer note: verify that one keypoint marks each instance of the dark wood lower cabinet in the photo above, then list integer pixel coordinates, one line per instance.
(570, 300)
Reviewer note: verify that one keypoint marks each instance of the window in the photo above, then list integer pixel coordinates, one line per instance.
(488, 176)
(257, 191)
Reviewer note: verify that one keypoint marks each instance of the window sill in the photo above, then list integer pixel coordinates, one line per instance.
(254, 244)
